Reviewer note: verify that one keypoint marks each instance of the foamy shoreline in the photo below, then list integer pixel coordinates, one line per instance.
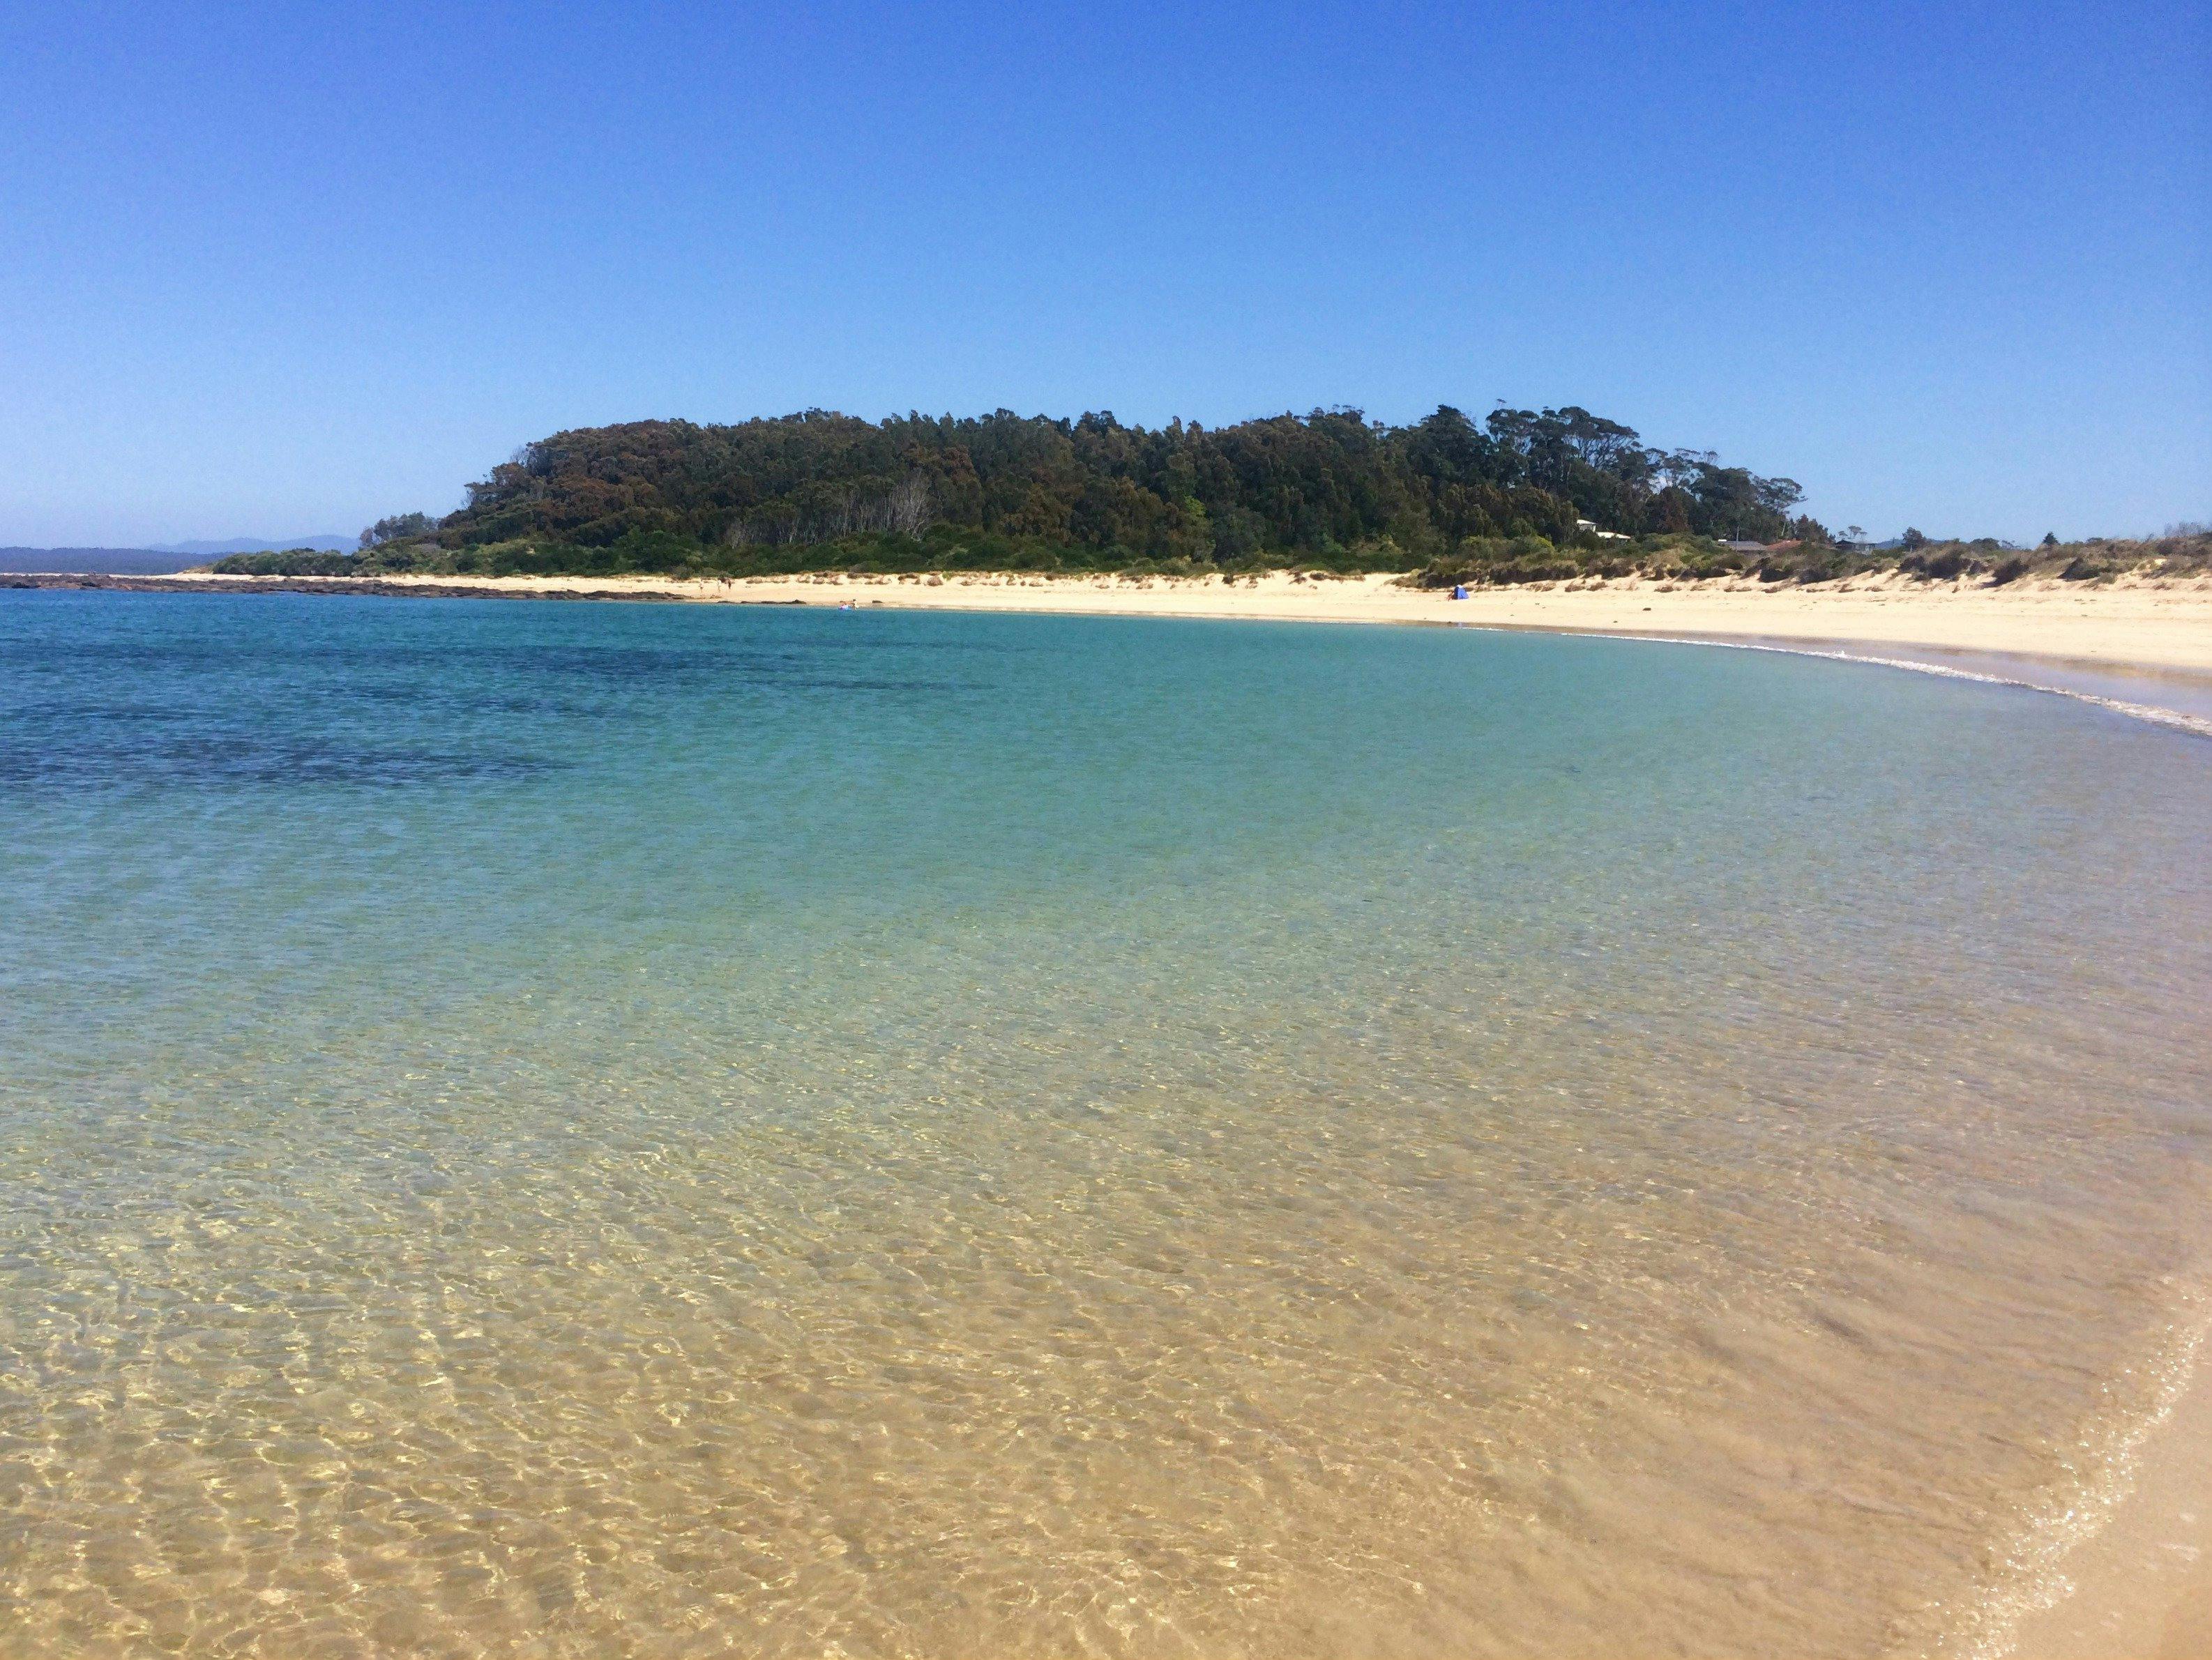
(2129, 1571)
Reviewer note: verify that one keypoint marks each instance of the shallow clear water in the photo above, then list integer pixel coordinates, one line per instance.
(562, 1129)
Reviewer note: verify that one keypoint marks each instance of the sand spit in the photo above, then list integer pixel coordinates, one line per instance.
(2120, 623)
(2138, 647)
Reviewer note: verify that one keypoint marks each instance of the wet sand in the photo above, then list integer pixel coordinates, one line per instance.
(2139, 1583)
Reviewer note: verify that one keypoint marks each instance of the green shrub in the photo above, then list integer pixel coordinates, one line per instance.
(292, 562)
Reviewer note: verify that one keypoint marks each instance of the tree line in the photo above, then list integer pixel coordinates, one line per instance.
(1521, 495)
(1331, 489)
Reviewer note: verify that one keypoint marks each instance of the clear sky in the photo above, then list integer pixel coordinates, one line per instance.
(275, 270)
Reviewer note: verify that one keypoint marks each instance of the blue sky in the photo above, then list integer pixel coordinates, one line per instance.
(275, 270)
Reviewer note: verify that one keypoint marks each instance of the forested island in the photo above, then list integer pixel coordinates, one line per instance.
(1521, 495)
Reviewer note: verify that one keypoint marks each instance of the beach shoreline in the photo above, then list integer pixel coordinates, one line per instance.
(2131, 623)
(2139, 646)
(2135, 1577)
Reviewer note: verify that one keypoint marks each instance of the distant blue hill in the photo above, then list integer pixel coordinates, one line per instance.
(326, 543)
(113, 561)
(159, 559)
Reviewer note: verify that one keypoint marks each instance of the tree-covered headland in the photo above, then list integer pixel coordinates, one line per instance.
(1521, 495)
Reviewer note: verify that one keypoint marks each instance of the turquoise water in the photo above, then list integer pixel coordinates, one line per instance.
(557, 1129)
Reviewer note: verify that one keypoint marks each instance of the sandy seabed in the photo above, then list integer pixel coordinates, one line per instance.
(2139, 1583)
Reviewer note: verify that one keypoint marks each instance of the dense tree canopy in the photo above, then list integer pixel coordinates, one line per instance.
(1328, 487)
(1524, 495)
(399, 527)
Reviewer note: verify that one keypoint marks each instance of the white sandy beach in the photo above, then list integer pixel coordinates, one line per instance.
(2118, 624)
